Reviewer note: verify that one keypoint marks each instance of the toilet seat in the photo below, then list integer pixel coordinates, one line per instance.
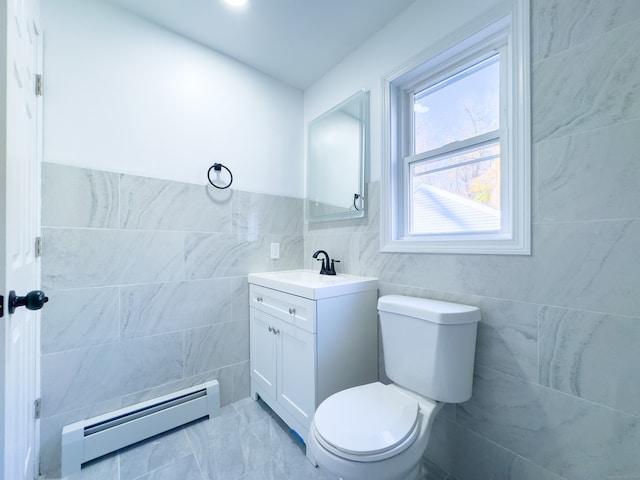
(367, 423)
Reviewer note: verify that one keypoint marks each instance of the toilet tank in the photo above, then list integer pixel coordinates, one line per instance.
(429, 346)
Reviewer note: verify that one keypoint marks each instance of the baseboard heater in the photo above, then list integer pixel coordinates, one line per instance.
(89, 439)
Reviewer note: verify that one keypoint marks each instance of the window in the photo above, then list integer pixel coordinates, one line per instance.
(457, 147)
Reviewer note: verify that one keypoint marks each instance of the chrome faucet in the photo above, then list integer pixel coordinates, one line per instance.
(328, 265)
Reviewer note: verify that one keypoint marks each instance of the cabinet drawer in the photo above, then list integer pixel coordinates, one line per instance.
(292, 309)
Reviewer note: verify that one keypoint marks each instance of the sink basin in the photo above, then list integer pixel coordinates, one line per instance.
(310, 284)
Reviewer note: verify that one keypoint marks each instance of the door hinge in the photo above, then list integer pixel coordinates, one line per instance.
(37, 407)
(38, 248)
(39, 84)
(1, 306)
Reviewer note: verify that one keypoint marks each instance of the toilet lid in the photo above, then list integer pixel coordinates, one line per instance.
(366, 420)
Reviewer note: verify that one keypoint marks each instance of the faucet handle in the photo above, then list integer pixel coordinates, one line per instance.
(332, 268)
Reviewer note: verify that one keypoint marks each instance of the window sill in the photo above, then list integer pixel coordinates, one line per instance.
(488, 246)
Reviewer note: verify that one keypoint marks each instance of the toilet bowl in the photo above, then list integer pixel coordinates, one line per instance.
(372, 432)
(378, 431)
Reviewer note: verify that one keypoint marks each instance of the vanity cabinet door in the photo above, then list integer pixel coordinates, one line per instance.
(263, 345)
(296, 372)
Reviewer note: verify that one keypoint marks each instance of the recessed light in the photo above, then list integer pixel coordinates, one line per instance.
(236, 3)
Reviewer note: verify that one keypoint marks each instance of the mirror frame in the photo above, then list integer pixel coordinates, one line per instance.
(359, 102)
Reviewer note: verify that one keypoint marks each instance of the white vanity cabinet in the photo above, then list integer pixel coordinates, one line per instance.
(282, 353)
(309, 338)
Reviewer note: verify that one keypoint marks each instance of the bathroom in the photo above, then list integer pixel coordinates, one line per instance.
(146, 270)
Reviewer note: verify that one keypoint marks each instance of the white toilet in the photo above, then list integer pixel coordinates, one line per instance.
(379, 432)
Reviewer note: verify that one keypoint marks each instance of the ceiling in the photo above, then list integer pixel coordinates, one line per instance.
(295, 41)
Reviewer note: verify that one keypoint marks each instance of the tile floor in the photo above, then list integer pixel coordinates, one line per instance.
(246, 442)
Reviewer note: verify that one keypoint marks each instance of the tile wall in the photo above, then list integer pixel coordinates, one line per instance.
(556, 380)
(148, 290)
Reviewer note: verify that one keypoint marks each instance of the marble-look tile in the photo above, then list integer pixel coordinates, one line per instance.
(373, 205)
(252, 411)
(507, 338)
(154, 453)
(291, 252)
(583, 265)
(167, 307)
(105, 468)
(562, 24)
(239, 297)
(286, 450)
(209, 348)
(226, 447)
(168, 388)
(235, 382)
(535, 166)
(470, 456)
(437, 272)
(569, 436)
(268, 471)
(78, 378)
(431, 471)
(210, 255)
(233, 379)
(372, 262)
(152, 204)
(464, 453)
(590, 176)
(78, 197)
(590, 355)
(80, 317)
(75, 258)
(590, 266)
(183, 468)
(257, 214)
(587, 87)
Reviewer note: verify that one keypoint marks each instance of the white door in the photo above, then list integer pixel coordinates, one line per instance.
(296, 372)
(20, 156)
(263, 351)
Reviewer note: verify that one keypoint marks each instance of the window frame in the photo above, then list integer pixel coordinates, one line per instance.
(507, 31)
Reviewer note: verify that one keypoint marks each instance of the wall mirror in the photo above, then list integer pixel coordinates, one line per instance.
(337, 150)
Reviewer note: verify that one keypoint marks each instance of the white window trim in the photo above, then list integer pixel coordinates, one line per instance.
(510, 22)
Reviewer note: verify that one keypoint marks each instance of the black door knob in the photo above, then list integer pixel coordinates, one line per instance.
(33, 300)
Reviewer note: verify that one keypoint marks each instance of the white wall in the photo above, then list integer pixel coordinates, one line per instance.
(124, 95)
(410, 33)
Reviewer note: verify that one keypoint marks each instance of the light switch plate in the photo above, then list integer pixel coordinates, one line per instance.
(275, 251)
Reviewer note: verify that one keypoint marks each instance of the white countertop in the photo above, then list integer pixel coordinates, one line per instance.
(310, 284)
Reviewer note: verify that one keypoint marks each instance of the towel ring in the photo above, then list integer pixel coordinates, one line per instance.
(218, 167)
